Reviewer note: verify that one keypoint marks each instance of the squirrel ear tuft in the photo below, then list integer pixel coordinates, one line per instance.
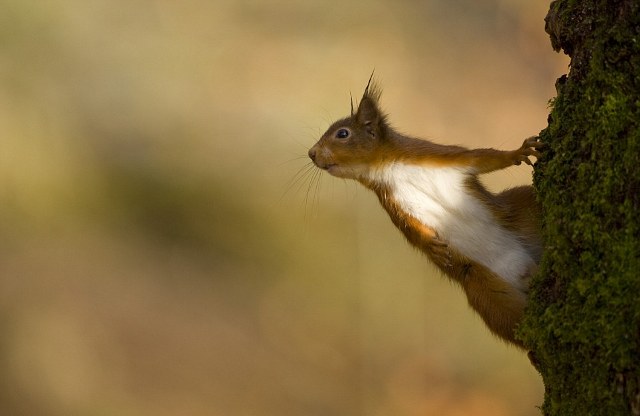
(368, 110)
(351, 97)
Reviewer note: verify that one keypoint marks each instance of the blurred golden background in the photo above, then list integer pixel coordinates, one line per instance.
(162, 251)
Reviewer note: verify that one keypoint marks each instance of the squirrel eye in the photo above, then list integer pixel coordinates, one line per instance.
(343, 133)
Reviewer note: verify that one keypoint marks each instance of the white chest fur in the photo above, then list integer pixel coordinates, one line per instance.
(438, 198)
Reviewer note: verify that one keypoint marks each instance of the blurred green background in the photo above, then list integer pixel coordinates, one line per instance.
(163, 250)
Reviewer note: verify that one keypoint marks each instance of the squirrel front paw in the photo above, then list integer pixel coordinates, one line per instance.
(529, 148)
(440, 253)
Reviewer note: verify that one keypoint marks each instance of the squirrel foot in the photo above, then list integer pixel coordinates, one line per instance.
(529, 148)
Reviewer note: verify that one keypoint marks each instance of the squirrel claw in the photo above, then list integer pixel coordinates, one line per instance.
(533, 141)
(529, 148)
(439, 243)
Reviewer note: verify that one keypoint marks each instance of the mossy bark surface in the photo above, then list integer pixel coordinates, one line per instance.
(583, 320)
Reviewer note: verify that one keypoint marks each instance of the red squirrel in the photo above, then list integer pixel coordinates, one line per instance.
(489, 243)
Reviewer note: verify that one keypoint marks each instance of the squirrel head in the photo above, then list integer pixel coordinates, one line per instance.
(352, 145)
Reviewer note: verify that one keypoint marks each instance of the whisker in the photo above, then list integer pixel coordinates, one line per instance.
(308, 176)
(314, 176)
(313, 135)
(316, 202)
(293, 159)
(298, 180)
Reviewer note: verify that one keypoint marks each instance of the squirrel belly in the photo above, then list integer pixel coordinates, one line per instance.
(436, 210)
(440, 198)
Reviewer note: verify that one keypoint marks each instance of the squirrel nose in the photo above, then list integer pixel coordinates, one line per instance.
(312, 154)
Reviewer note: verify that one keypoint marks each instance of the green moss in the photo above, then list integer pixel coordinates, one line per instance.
(583, 322)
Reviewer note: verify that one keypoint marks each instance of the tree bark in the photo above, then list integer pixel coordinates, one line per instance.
(583, 319)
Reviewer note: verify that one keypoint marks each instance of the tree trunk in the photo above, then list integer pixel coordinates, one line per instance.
(583, 320)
